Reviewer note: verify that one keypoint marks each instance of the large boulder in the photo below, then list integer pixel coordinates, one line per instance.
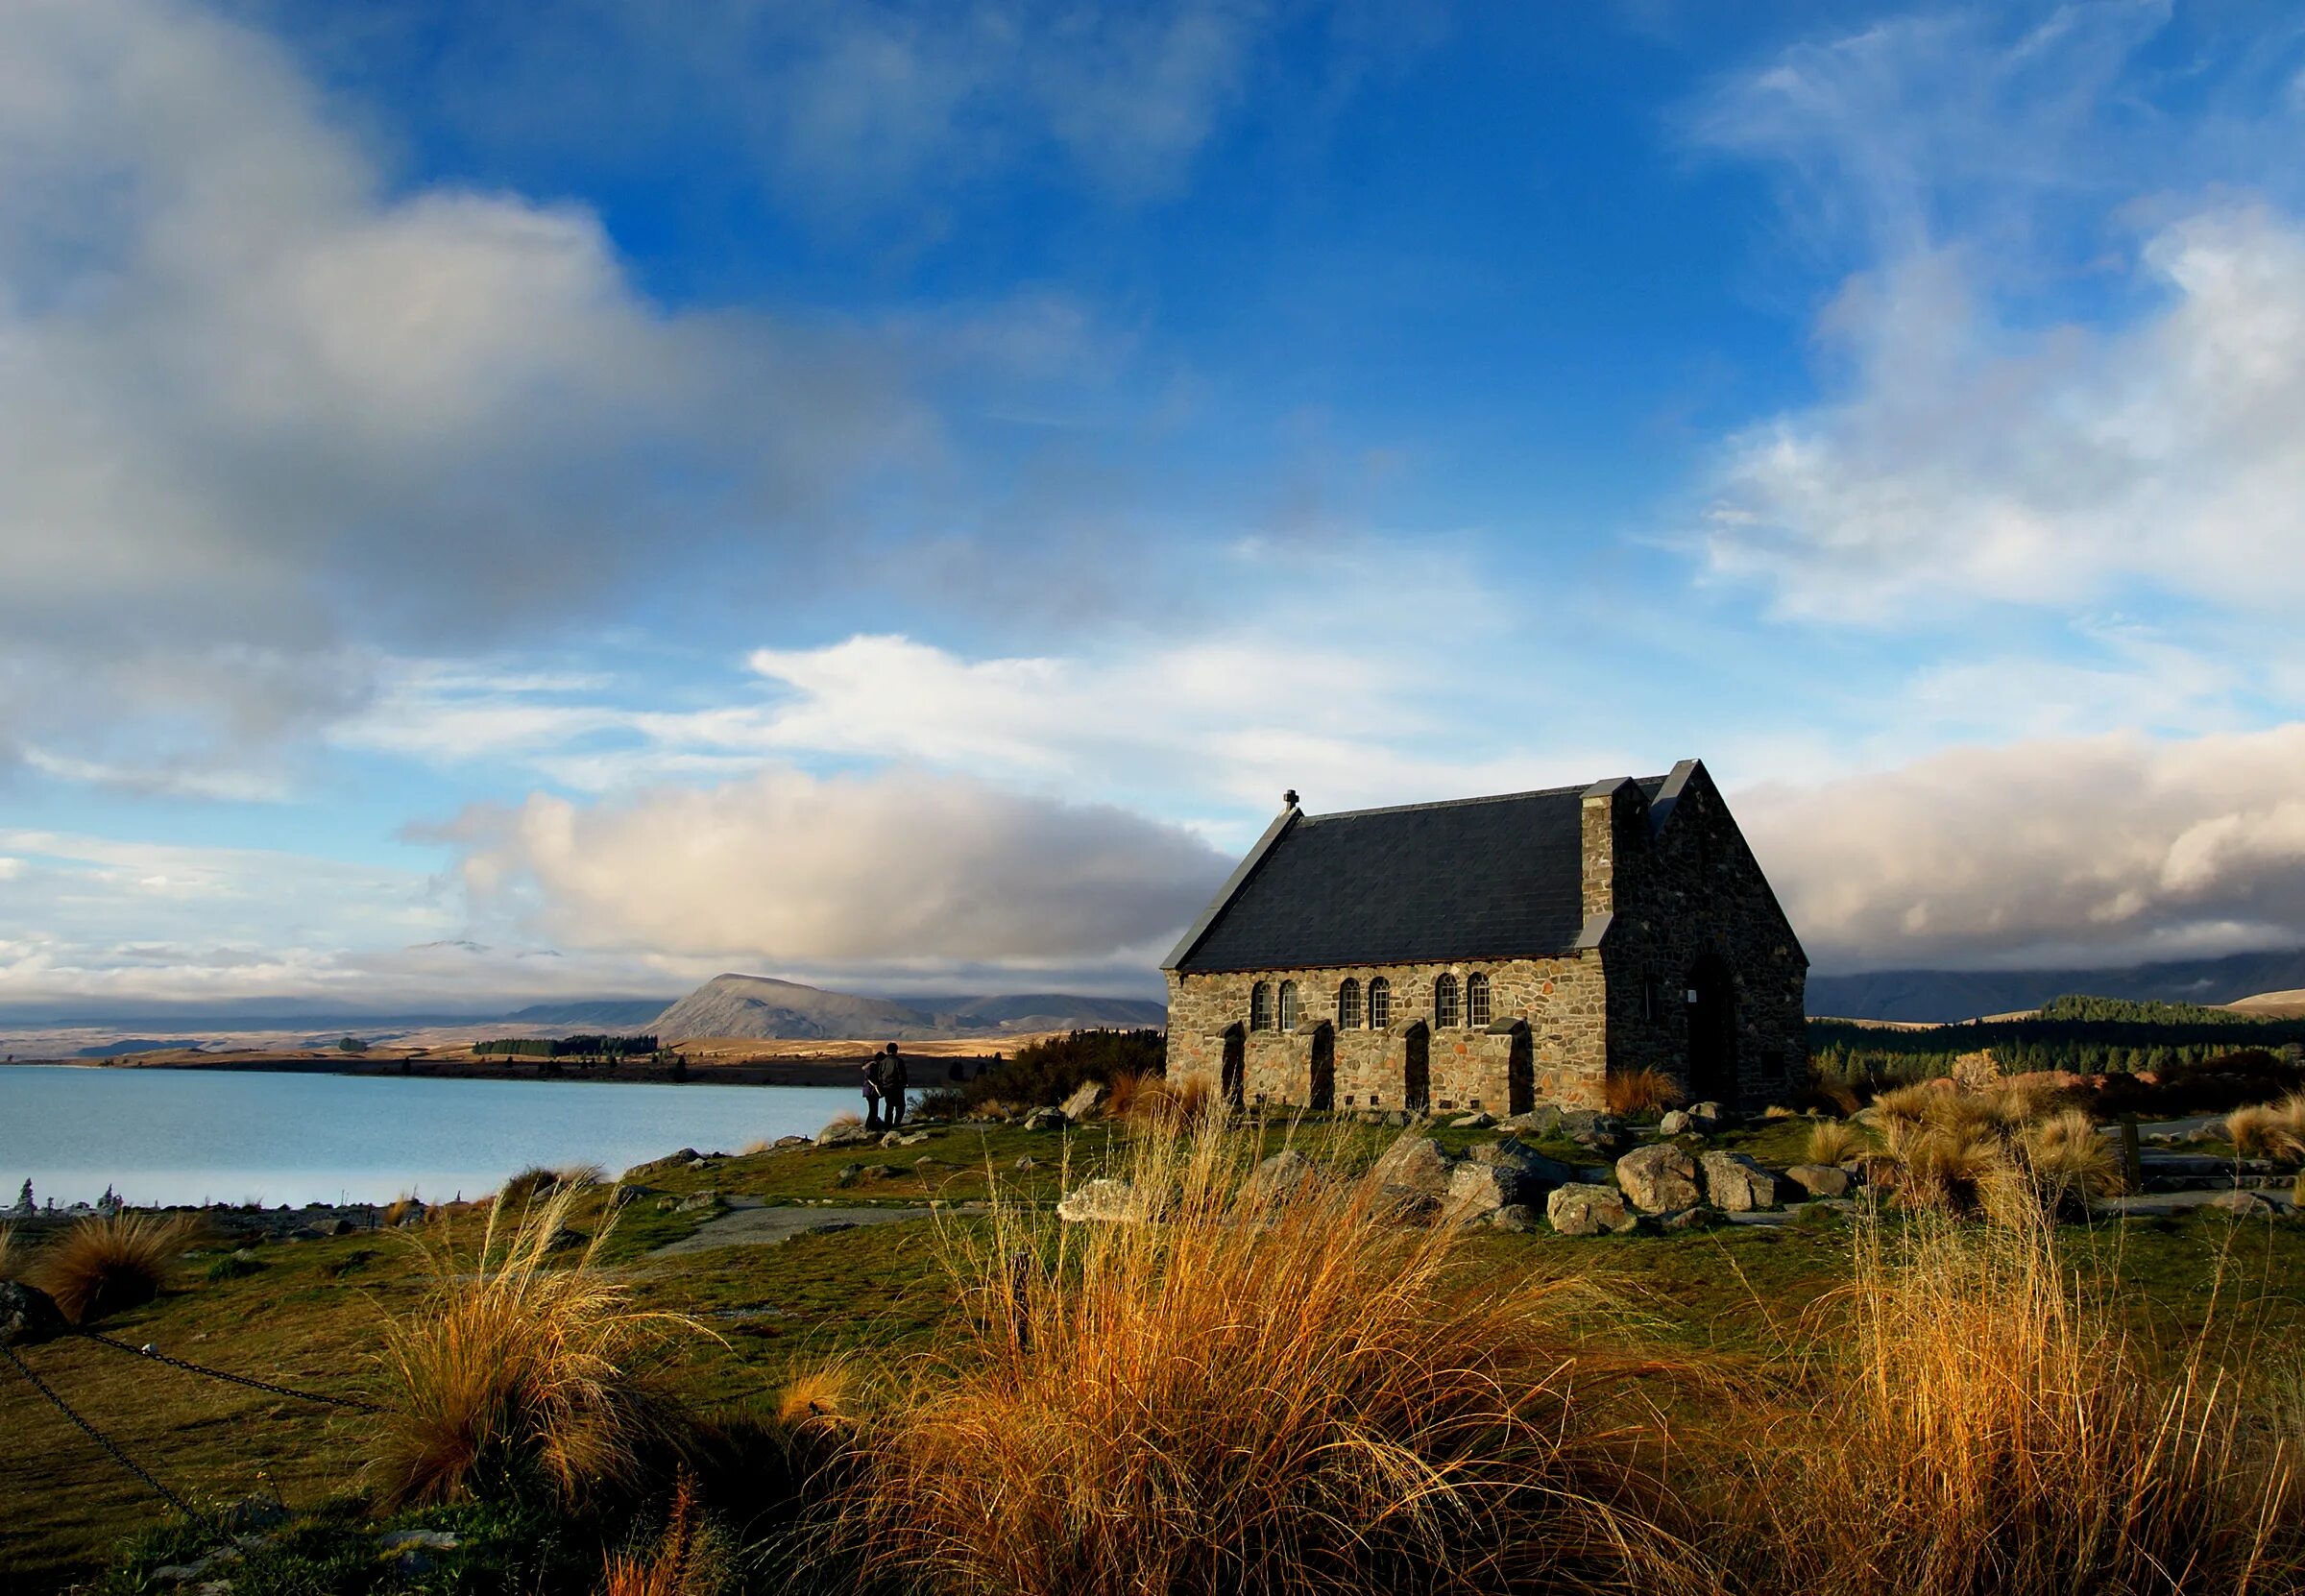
(1478, 1120)
(1659, 1179)
(28, 1314)
(1580, 1210)
(1525, 1159)
(1708, 1116)
(1405, 1205)
(1478, 1189)
(1109, 1201)
(1046, 1118)
(1415, 1162)
(1283, 1177)
(1589, 1128)
(1520, 1219)
(1675, 1122)
(1735, 1184)
(1820, 1180)
(1537, 1121)
(841, 1133)
(1084, 1101)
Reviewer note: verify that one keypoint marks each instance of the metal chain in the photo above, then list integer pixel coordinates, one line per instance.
(160, 1357)
(98, 1435)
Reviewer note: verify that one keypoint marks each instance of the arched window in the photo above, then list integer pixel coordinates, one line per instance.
(1260, 1007)
(1348, 1004)
(1444, 1001)
(1288, 1005)
(1380, 1004)
(1476, 998)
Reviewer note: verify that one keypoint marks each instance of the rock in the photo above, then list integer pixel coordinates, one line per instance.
(926, 1165)
(784, 1141)
(882, 1171)
(1478, 1189)
(1282, 1178)
(1674, 1122)
(336, 1227)
(1519, 1217)
(410, 1549)
(1604, 1133)
(1398, 1118)
(1415, 1162)
(1659, 1179)
(563, 1238)
(1691, 1219)
(1027, 1164)
(703, 1163)
(1104, 1200)
(1537, 1121)
(1405, 1205)
(1523, 1157)
(1708, 1115)
(680, 1160)
(849, 1176)
(2242, 1205)
(1580, 1210)
(1477, 1119)
(1738, 1185)
(306, 1233)
(28, 1316)
(256, 1512)
(1082, 1103)
(1046, 1118)
(845, 1133)
(1819, 1181)
(697, 1202)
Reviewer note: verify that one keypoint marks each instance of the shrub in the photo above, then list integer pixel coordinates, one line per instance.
(2269, 1131)
(1642, 1091)
(1831, 1141)
(1049, 1070)
(1257, 1395)
(233, 1265)
(2070, 1163)
(101, 1266)
(1951, 1169)
(518, 1372)
(2002, 1436)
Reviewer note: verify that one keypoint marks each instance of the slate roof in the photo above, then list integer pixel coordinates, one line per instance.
(1477, 878)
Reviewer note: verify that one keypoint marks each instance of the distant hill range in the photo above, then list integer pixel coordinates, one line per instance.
(763, 1007)
(1925, 995)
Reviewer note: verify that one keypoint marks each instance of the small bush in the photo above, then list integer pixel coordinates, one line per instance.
(519, 1369)
(102, 1266)
(1948, 1169)
(1642, 1091)
(2071, 1164)
(1833, 1140)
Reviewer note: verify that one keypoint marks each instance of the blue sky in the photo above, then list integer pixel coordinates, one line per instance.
(496, 504)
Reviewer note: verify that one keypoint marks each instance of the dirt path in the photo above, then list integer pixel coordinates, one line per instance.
(751, 1223)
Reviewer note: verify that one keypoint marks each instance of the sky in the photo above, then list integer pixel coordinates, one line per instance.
(500, 502)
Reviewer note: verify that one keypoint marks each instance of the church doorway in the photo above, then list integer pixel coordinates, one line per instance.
(1417, 1088)
(1520, 1073)
(1234, 1083)
(1712, 994)
(1323, 1094)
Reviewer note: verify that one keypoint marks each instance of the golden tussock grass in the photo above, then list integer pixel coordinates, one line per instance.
(1985, 1428)
(101, 1266)
(1830, 1140)
(818, 1399)
(1269, 1390)
(524, 1364)
(1154, 1100)
(689, 1558)
(2270, 1130)
(1642, 1091)
(14, 1256)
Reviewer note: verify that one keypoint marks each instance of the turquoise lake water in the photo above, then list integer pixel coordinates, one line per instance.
(180, 1136)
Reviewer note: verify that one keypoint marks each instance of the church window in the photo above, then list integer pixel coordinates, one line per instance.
(1444, 1001)
(1260, 1007)
(1476, 1000)
(1380, 1004)
(1348, 1004)
(1288, 1005)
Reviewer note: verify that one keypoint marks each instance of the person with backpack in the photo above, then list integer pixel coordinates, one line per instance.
(872, 1092)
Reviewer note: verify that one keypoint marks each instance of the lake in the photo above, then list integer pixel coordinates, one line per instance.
(185, 1136)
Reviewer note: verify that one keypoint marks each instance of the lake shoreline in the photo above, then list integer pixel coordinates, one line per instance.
(768, 1072)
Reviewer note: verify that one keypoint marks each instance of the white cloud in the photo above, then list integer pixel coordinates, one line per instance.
(2091, 850)
(790, 869)
(1970, 462)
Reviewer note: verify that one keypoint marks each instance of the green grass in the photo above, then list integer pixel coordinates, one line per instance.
(312, 1317)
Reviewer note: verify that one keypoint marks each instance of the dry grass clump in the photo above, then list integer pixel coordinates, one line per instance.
(1642, 1091)
(2002, 1436)
(1257, 1395)
(1948, 1169)
(690, 1557)
(2270, 1130)
(14, 1256)
(1833, 1140)
(400, 1210)
(2068, 1161)
(1155, 1100)
(818, 1399)
(106, 1264)
(520, 1368)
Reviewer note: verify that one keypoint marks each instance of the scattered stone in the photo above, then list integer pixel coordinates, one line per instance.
(337, 1227)
(1478, 1189)
(703, 1163)
(882, 1171)
(1819, 1181)
(849, 1176)
(1527, 1159)
(845, 1133)
(563, 1238)
(671, 1161)
(1708, 1115)
(1537, 1121)
(1105, 1201)
(306, 1233)
(1415, 1162)
(1027, 1164)
(784, 1141)
(1675, 1123)
(926, 1165)
(1604, 1133)
(1478, 1120)
(1517, 1217)
(1581, 1210)
(1738, 1185)
(1691, 1219)
(1046, 1118)
(697, 1203)
(1282, 1178)
(28, 1316)
(1398, 1118)
(1659, 1179)
(2242, 1205)
(1082, 1103)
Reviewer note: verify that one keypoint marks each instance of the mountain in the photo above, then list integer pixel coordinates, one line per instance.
(1966, 994)
(763, 1007)
(606, 1013)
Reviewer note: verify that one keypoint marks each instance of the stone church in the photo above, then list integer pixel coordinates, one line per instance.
(1493, 953)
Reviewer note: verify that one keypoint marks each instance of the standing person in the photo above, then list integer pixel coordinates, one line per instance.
(872, 1093)
(893, 1079)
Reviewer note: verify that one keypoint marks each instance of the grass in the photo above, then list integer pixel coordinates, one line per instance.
(14, 1255)
(1833, 1141)
(1642, 1091)
(1152, 1099)
(1259, 1394)
(2269, 1131)
(104, 1265)
(519, 1369)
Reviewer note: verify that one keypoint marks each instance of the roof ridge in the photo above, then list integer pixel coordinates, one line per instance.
(1574, 787)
